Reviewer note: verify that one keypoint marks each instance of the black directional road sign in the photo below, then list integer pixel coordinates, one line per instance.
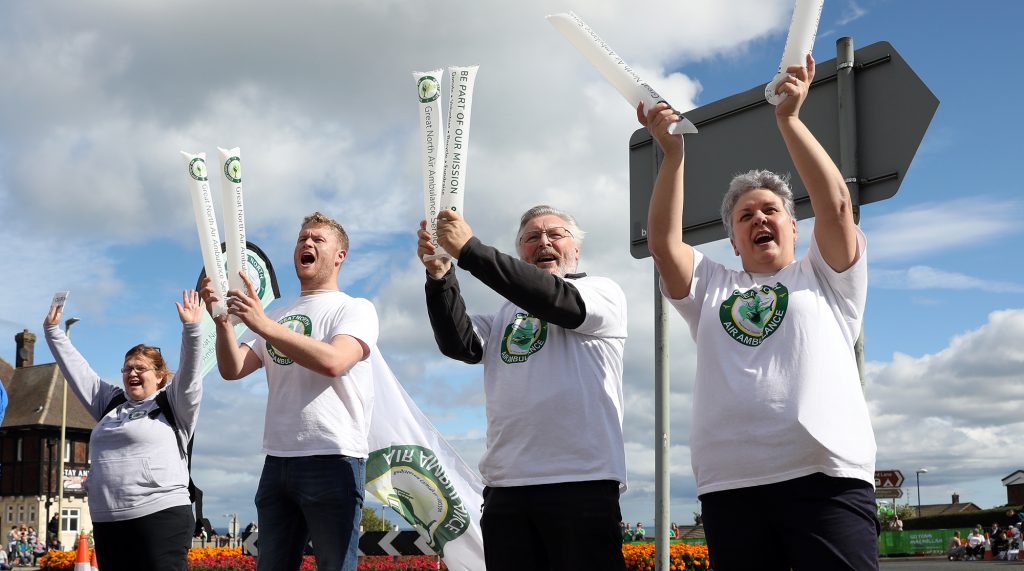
(738, 133)
(393, 543)
(370, 543)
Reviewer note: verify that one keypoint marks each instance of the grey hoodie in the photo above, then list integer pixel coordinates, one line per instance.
(136, 466)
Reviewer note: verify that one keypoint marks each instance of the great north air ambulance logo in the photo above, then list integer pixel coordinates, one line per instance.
(523, 337)
(429, 89)
(411, 480)
(233, 169)
(752, 316)
(197, 168)
(297, 323)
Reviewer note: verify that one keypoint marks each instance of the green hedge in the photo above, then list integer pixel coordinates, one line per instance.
(962, 520)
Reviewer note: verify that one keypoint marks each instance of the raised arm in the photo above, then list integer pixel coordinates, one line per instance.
(85, 382)
(545, 295)
(453, 329)
(234, 361)
(834, 228)
(186, 389)
(331, 359)
(672, 256)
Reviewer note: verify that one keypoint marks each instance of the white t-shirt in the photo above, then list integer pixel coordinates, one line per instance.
(309, 413)
(777, 392)
(554, 395)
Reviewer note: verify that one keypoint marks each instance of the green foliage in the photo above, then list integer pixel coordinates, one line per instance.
(963, 519)
(373, 522)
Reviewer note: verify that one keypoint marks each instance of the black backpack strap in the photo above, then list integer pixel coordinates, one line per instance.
(195, 495)
(115, 402)
(163, 404)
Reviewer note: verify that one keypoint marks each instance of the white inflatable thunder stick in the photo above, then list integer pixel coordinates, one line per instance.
(802, 29)
(428, 87)
(456, 148)
(613, 68)
(206, 225)
(234, 215)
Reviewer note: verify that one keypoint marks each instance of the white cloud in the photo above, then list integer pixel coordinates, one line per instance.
(962, 402)
(924, 277)
(853, 11)
(931, 228)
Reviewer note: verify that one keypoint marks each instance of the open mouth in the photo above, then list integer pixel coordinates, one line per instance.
(135, 382)
(307, 258)
(545, 258)
(763, 237)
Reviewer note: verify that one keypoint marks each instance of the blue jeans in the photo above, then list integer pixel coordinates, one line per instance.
(310, 497)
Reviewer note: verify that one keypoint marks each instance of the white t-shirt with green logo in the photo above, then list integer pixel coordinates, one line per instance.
(554, 395)
(309, 413)
(777, 392)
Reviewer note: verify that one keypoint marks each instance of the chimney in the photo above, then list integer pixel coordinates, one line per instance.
(956, 498)
(26, 345)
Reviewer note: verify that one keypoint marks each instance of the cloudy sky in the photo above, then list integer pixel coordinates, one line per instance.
(100, 96)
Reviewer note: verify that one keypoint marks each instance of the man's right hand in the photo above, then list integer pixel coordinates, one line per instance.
(209, 295)
(436, 268)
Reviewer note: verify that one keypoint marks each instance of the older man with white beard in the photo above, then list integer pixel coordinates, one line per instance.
(552, 355)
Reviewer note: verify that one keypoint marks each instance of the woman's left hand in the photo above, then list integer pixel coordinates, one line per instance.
(190, 310)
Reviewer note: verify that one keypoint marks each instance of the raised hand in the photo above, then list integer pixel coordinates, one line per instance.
(246, 304)
(658, 120)
(209, 295)
(452, 232)
(190, 310)
(424, 247)
(795, 87)
(53, 316)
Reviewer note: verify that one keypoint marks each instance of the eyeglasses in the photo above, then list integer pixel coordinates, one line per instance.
(139, 369)
(554, 234)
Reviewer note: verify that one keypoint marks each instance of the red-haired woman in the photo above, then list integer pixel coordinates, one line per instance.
(138, 477)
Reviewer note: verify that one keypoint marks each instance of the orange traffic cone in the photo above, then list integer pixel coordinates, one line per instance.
(93, 563)
(82, 558)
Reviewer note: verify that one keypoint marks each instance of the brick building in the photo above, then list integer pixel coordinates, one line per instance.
(30, 448)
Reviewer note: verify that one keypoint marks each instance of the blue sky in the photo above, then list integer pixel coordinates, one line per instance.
(99, 97)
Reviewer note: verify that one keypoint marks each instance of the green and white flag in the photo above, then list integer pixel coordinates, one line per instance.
(414, 470)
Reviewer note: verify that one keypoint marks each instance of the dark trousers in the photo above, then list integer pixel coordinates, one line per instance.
(564, 527)
(310, 497)
(810, 523)
(156, 542)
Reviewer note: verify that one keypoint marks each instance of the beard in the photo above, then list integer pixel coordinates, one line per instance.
(564, 264)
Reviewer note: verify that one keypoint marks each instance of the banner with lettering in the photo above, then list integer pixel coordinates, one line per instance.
(414, 470)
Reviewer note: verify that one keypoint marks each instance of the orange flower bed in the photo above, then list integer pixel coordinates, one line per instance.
(682, 557)
(638, 556)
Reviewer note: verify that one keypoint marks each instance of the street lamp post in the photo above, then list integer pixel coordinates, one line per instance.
(63, 430)
(919, 472)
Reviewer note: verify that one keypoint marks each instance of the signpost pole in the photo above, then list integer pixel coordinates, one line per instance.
(662, 541)
(848, 163)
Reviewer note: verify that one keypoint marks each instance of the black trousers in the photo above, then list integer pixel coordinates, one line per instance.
(558, 527)
(156, 542)
(810, 523)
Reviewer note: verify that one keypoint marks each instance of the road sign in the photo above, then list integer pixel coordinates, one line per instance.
(393, 543)
(249, 546)
(888, 478)
(888, 493)
(738, 133)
